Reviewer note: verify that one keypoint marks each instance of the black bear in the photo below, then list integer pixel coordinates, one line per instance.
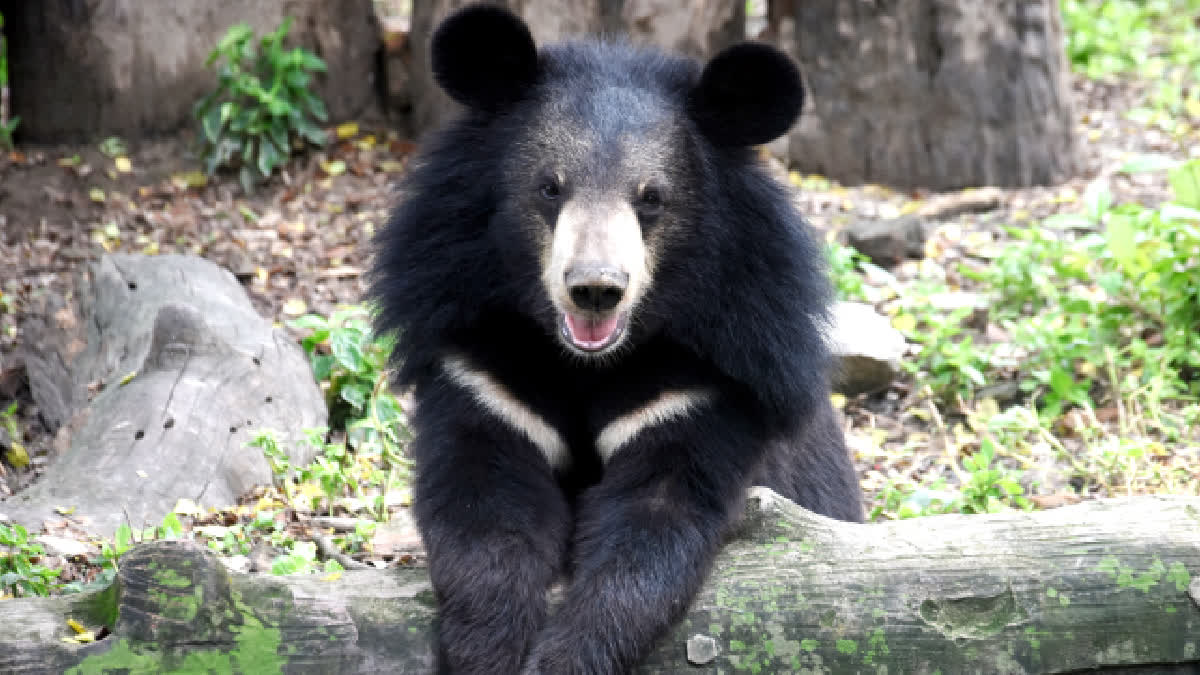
(613, 320)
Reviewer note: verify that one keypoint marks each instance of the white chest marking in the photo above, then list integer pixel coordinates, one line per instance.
(498, 400)
(667, 406)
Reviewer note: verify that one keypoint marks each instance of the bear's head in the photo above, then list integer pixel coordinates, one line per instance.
(607, 168)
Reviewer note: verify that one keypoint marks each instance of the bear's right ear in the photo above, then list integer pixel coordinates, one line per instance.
(748, 94)
(484, 56)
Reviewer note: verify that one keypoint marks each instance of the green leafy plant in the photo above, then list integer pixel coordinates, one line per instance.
(262, 105)
(987, 487)
(302, 559)
(7, 124)
(16, 455)
(21, 571)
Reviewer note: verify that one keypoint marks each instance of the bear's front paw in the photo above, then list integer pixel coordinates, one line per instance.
(566, 651)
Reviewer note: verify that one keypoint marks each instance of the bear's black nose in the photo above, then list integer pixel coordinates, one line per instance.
(596, 288)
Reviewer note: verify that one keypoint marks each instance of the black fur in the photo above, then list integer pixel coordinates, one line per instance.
(749, 94)
(483, 58)
(737, 306)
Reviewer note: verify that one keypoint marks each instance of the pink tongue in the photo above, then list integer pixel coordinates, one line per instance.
(591, 332)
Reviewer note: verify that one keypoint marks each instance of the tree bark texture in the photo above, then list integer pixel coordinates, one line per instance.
(940, 94)
(1102, 585)
(186, 370)
(84, 69)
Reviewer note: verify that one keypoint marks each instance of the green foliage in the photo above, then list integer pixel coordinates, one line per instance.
(844, 265)
(16, 455)
(262, 105)
(987, 487)
(1158, 40)
(1107, 37)
(1124, 293)
(7, 127)
(350, 362)
(302, 559)
(21, 571)
(360, 457)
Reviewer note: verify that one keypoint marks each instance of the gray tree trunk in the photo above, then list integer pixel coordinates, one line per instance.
(83, 69)
(1102, 585)
(941, 94)
(185, 372)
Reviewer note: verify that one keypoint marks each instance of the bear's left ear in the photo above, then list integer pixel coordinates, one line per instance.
(484, 56)
(748, 94)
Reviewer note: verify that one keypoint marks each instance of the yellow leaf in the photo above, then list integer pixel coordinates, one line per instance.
(262, 274)
(1192, 106)
(266, 503)
(64, 510)
(187, 507)
(905, 323)
(127, 378)
(16, 455)
(96, 195)
(189, 179)
(795, 178)
(391, 166)
(366, 142)
(76, 626)
(332, 576)
(295, 307)
(838, 400)
(347, 130)
(309, 490)
(123, 164)
(1066, 196)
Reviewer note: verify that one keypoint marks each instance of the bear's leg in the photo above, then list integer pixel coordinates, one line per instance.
(495, 525)
(645, 539)
(813, 468)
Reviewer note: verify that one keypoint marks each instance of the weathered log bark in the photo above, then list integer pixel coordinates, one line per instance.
(189, 371)
(82, 69)
(697, 28)
(1099, 585)
(941, 94)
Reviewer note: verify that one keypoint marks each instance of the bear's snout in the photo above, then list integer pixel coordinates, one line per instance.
(596, 287)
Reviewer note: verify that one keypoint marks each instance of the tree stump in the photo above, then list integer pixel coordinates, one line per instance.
(1102, 585)
(186, 370)
(940, 94)
(83, 70)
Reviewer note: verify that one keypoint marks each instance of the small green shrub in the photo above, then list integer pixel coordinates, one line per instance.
(7, 125)
(21, 571)
(262, 105)
(987, 487)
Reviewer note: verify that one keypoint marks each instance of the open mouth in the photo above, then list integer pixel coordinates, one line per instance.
(593, 334)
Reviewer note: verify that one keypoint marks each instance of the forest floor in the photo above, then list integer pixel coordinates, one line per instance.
(301, 244)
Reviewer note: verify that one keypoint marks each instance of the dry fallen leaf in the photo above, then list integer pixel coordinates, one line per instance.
(295, 307)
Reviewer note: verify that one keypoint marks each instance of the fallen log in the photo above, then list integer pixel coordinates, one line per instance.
(186, 371)
(1104, 584)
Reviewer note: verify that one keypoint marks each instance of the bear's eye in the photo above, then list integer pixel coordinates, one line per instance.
(549, 190)
(649, 202)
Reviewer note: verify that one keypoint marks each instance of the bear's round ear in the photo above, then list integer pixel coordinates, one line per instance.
(748, 94)
(484, 56)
